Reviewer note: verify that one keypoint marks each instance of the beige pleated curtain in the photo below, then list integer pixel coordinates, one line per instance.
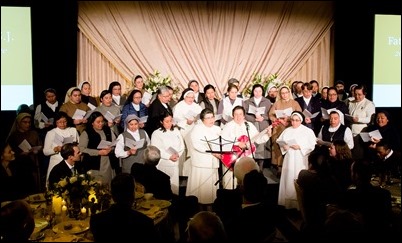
(206, 41)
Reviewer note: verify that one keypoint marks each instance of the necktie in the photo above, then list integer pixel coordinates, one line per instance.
(72, 170)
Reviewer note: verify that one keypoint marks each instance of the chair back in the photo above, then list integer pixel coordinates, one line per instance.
(300, 199)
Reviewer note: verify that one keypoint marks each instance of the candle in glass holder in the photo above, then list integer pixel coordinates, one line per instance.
(56, 203)
(84, 212)
(63, 212)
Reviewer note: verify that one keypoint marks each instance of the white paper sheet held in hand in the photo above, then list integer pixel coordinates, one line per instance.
(146, 98)
(191, 115)
(289, 142)
(44, 117)
(60, 140)
(325, 112)
(105, 144)
(109, 116)
(25, 146)
(91, 106)
(366, 136)
(256, 110)
(283, 113)
(132, 143)
(171, 151)
(375, 134)
(308, 113)
(79, 114)
(143, 119)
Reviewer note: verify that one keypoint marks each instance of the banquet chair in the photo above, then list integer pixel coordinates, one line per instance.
(300, 199)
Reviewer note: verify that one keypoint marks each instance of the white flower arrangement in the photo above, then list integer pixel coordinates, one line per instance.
(155, 80)
(265, 81)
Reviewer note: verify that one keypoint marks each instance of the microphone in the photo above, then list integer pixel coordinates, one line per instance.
(247, 126)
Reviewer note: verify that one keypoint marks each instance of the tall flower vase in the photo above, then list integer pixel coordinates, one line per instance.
(74, 208)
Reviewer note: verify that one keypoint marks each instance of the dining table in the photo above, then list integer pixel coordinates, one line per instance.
(50, 227)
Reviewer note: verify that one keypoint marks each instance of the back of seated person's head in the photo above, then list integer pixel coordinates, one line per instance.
(319, 162)
(206, 226)
(152, 155)
(122, 188)
(23, 108)
(242, 167)
(254, 186)
(361, 172)
(17, 221)
(343, 224)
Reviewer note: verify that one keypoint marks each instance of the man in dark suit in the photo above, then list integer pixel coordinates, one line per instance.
(154, 180)
(121, 223)
(257, 217)
(158, 108)
(158, 183)
(388, 163)
(70, 154)
(228, 202)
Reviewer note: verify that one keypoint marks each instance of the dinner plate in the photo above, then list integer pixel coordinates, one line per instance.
(152, 203)
(151, 213)
(76, 227)
(37, 236)
(40, 224)
(36, 198)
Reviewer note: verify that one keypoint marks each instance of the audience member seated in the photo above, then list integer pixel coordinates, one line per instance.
(206, 227)
(158, 183)
(228, 201)
(373, 203)
(388, 163)
(319, 189)
(17, 222)
(340, 160)
(256, 221)
(11, 187)
(70, 153)
(343, 225)
(121, 223)
(154, 180)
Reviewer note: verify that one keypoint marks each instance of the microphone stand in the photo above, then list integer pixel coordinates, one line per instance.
(230, 167)
(220, 143)
(249, 139)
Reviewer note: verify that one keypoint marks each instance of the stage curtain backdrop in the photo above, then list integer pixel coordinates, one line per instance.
(206, 41)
